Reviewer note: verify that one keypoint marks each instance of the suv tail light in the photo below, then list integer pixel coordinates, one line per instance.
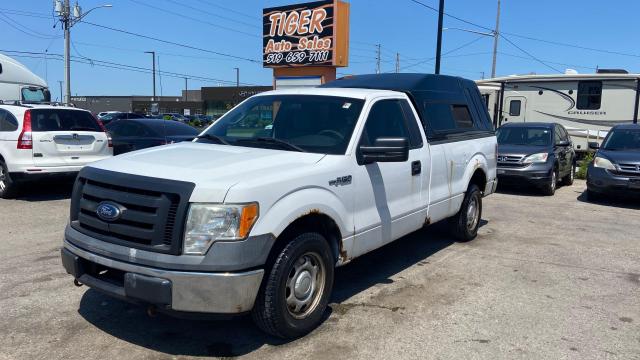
(25, 140)
(109, 140)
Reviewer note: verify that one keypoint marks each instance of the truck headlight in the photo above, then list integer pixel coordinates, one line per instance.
(604, 163)
(536, 158)
(207, 223)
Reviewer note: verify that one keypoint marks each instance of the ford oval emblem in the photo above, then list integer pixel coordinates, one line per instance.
(108, 211)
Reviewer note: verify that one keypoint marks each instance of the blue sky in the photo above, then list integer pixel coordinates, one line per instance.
(234, 27)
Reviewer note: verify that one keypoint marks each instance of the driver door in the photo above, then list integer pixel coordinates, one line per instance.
(388, 194)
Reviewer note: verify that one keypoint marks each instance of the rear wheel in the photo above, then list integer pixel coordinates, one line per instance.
(568, 180)
(465, 224)
(296, 291)
(550, 188)
(8, 187)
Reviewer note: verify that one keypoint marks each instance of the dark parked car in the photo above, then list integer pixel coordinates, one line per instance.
(538, 154)
(616, 166)
(136, 134)
(113, 116)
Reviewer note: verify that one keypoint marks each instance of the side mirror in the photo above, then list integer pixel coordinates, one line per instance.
(384, 150)
(563, 143)
(594, 145)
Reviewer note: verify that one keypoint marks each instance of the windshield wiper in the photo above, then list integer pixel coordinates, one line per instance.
(274, 141)
(217, 138)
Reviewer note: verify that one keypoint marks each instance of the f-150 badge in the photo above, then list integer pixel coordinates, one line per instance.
(341, 181)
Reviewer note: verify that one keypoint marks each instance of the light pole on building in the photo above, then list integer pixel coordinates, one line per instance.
(68, 20)
(153, 59)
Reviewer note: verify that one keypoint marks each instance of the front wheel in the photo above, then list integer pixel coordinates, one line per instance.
(296, 291)
(549, 189)
(568, 180)
(465, 224)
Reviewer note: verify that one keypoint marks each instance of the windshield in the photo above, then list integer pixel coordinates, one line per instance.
(34, 94)
(623, 139)
(524, 136)
(63, 120)
(311, 123)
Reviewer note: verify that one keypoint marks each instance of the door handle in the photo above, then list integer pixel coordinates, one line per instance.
(416, 168)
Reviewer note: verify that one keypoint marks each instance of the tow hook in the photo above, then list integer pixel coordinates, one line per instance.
(77, 283)
(152, 311)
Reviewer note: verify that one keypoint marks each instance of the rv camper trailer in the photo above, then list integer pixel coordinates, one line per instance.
(588, 105)
(17, 83)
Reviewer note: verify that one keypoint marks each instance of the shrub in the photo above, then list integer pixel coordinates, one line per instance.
(584, 165)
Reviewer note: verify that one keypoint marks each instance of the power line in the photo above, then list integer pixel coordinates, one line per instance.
(550, 62)
(110, 64)
(451, 16)
(572, 45)
(25, 13)
(226, 9)
(173, 13)
(212, 14)
(445, 53)
(172, 43)
(529, 54)
(24, 29)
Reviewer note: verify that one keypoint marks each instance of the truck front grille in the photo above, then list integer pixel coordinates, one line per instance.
(628, 169)
(153, 210)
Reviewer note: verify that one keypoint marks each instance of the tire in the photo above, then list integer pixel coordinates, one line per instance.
(568, 180)
(550, 188)
(465, 224)
(8, 188)
(291, 303)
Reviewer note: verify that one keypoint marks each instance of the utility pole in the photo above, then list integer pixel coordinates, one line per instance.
(496, 36)
(397, 63)
(63, 10)
(153, 56)
(378, 58)
(439, 42)
(237, 77)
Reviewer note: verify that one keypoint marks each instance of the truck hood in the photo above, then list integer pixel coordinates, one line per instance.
(213, 168)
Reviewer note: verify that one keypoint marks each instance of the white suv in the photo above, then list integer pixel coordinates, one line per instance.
(42, 140)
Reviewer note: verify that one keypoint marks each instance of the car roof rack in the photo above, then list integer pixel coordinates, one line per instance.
(14, 103)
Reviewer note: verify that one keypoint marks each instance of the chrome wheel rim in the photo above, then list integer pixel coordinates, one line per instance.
(553, 180)
(305, 285)
(473, 213)
(573, 172)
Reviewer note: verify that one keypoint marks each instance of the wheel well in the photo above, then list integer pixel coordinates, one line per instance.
(479, 179)
(313, 222)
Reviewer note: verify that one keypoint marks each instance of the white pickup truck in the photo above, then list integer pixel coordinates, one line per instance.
(256, 213)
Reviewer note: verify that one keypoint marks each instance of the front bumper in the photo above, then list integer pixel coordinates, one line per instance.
(604, 182)
(184, 291)
(536, 174)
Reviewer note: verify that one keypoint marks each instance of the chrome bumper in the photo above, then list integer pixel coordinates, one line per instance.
(218, 293)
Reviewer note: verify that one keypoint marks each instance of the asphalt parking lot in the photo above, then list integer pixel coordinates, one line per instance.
(548, 277)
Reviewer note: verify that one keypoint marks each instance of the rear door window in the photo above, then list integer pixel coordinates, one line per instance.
(63, 120)
(8, 123)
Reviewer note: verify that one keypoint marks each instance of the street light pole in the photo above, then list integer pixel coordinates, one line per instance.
(63, 11)
(153, 55)
(237, 77)
(439, 44)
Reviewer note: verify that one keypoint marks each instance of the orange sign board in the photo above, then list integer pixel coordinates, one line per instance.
(309, 34)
